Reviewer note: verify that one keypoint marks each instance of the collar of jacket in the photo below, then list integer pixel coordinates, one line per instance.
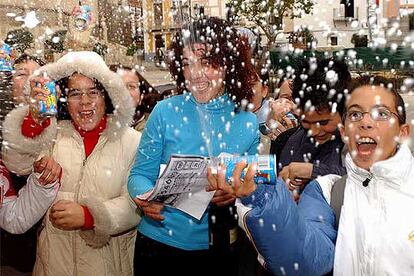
(219, 104)
(395, 170)
(112, 130)
(94, 132)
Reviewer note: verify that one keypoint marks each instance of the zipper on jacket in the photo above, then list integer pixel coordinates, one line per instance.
(82, 170)
(76, 199)
(366, 182)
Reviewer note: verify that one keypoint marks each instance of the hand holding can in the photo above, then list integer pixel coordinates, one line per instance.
(265, 172)
(43, 96)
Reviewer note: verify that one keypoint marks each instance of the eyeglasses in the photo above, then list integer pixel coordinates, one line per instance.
(76, 94)
(376, 113)
(132, 86)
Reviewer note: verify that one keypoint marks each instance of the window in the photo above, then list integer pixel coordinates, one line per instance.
(158, 16)
(333, 40)
(349, 8)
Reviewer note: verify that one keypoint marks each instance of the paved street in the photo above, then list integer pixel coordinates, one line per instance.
(154, 75)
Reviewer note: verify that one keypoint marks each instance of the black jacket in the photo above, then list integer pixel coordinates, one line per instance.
(299, 148)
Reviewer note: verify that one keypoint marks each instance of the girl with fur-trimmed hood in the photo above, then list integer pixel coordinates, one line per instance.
(87, 231)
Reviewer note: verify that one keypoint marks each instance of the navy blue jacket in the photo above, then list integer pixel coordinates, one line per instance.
(326, 158)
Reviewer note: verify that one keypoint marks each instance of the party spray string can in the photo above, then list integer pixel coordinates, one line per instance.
(5, 57)
(266, 166)
(48, 108)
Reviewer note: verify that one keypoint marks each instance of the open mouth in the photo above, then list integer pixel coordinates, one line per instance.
(366, 145)
(200, 86)
(87, 114)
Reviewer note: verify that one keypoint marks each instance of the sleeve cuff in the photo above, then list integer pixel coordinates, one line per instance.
(30, 128)
(256, 197)
(316, 171)
(89, 222)
(35, 178)
(98, 236)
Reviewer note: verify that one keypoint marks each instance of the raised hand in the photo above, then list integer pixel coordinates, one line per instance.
(49, 169)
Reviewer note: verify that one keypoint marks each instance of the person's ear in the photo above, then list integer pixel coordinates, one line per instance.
(265, 91)
(404, 132)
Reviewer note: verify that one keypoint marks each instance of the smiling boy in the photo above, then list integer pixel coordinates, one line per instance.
(375, 234)
(314, 149)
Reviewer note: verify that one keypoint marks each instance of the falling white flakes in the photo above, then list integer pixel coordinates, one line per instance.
(176, 132)
(261, 222)
(355, 24)
(296, 266)
(10, 14)
(331, 77)
(186, 33)
(48, 31)
(30, 20)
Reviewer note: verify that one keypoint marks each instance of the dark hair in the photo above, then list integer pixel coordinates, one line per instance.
(369, 80)
(25, 58)
(262, 72)
(225, 49)
(63, 113)
(321, 83)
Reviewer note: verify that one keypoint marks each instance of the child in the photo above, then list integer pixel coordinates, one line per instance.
(374, 232)
(20, 212)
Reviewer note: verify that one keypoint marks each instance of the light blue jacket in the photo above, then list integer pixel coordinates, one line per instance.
(293, 239)
(180, 125)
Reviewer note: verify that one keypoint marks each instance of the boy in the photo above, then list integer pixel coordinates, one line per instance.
(315, 147)
(375, 233)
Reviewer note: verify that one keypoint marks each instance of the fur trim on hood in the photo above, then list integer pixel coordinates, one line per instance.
(91, 65)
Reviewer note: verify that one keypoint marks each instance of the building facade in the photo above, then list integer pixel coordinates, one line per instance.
(334, 22)
(163, 17)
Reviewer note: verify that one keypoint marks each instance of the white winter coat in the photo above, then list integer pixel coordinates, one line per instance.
(376, 228)
(99, 182)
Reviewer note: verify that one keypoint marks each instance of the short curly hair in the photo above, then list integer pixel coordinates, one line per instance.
(226, 49)
(321, 84)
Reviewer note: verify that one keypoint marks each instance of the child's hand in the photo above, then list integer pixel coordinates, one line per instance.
(50, 170)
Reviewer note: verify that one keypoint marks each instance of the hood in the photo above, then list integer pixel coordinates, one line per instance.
(91, 65)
